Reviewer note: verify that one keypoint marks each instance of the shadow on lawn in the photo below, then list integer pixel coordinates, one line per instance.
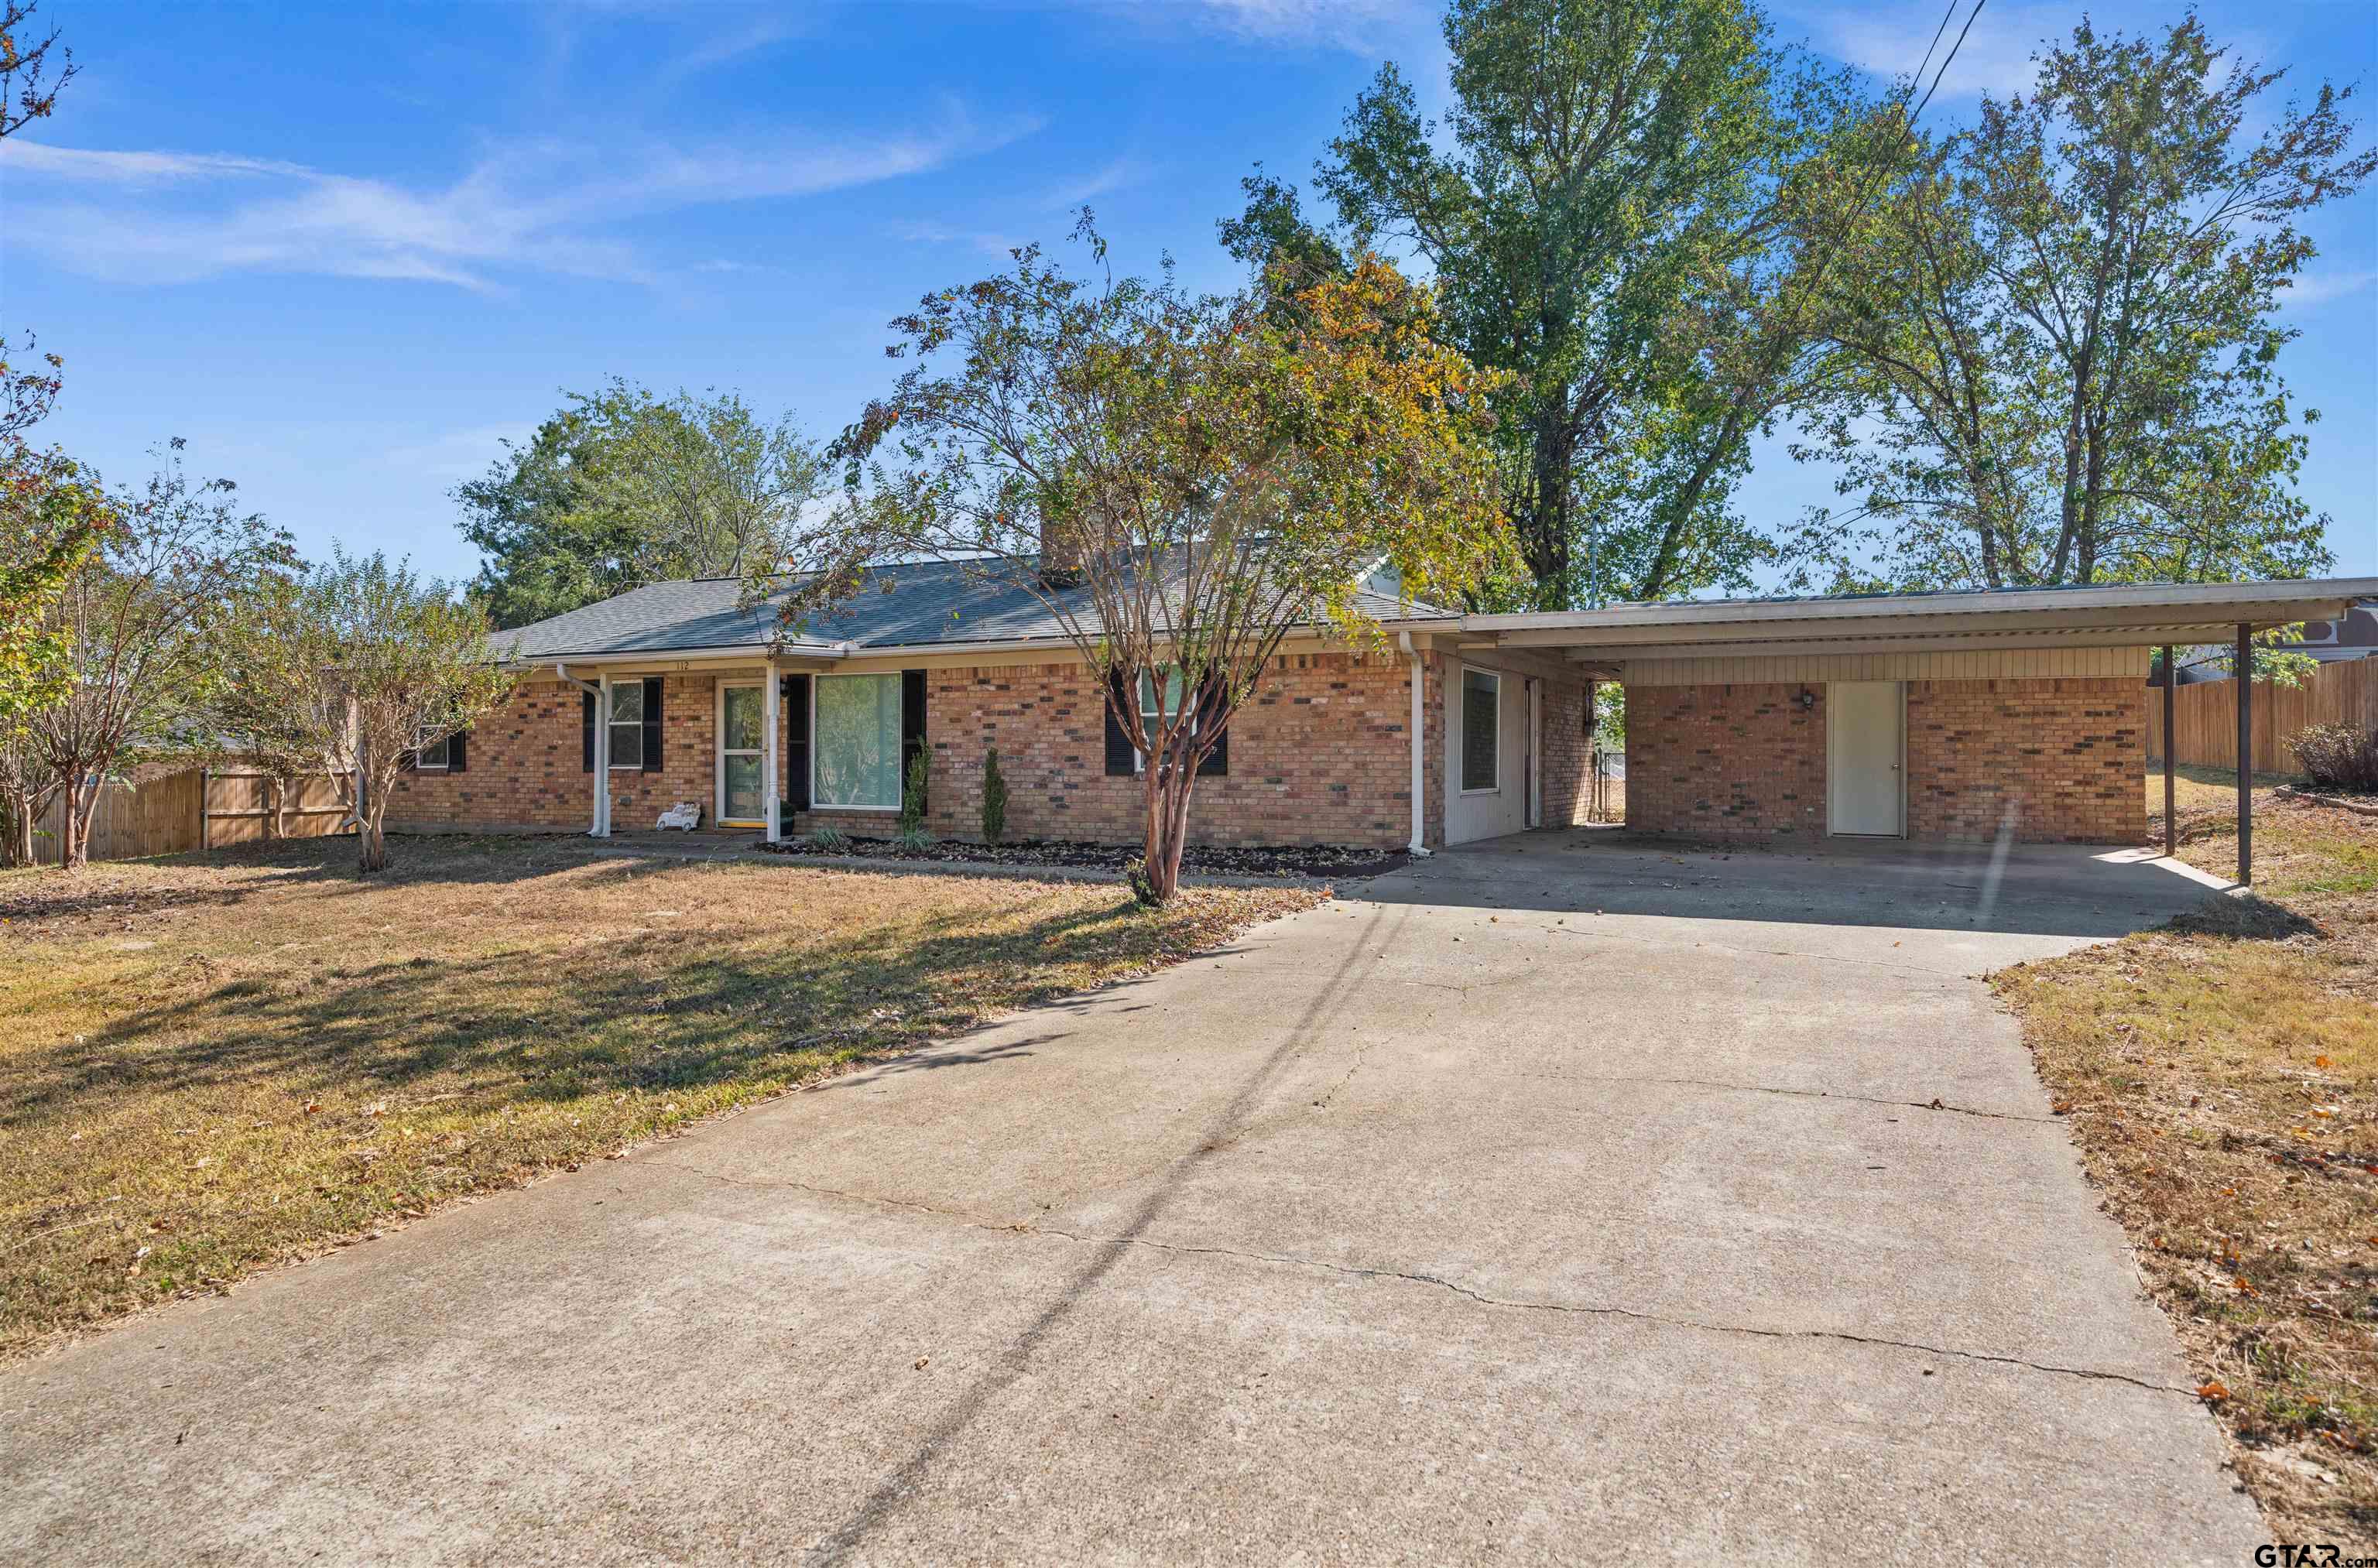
(656, 1011)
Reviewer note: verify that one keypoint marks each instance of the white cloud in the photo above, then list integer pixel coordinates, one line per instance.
(1892, 41)
(457, 455)
(533, 207)
(1352, 25)
(1116, 175)
(988, 243)
(2314, 288)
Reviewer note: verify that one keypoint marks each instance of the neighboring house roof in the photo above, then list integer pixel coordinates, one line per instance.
(921, 605)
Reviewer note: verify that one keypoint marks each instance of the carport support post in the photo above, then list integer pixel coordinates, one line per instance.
(2171, 790)
(2245, 677)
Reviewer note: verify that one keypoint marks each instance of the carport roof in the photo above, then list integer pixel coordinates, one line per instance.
(2126, 615)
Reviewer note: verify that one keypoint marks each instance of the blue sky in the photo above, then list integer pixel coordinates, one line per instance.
(346, 251)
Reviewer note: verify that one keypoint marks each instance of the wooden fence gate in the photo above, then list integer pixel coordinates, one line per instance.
(249, 807)
(2204, 720)
(194, 808)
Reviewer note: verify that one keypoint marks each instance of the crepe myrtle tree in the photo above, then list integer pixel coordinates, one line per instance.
(135, 622)
(1180, 480)
(350, 669)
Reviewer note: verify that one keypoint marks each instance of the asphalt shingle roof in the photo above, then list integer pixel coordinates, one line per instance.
(898, 606)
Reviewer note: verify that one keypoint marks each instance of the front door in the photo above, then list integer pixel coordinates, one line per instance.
(1863, 748)
(740, 726)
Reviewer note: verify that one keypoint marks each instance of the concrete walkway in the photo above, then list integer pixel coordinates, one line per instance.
(1459, 1222)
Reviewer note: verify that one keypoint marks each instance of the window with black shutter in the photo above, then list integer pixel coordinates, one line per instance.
(912, 726)
(795, 720)
(458, 751)
(587, 733)
(652, 724)
(1123, 758)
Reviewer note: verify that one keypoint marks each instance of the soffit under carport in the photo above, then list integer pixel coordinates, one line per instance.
(2126, 616)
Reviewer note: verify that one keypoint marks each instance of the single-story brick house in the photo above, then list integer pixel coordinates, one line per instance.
(1935, 716)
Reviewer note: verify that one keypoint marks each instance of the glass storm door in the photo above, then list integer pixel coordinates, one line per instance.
(739, 750)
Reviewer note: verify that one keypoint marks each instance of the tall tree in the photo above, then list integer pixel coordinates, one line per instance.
(347, 670)
(1605, 164)
(623, 488)
(1179, 480)
(2065, 332)
(136, 617)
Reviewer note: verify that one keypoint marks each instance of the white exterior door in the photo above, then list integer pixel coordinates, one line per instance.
(1864, 745)
(741, 754)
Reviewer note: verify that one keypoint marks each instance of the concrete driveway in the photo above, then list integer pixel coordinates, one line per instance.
(1556, 1202)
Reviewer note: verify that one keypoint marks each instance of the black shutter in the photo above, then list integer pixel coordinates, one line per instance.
(912, 726)
(796, 722)
(1123, 758)
(1212, 710)
(458, 751)
(587, 733)
(652, 723)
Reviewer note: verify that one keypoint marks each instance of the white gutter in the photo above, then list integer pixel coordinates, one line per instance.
(600, 689)
(2220, 601)
(1419, 846)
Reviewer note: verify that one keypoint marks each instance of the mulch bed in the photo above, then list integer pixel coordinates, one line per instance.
(1325, 860)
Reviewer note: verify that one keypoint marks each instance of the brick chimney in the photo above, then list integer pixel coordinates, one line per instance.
(1060, 557)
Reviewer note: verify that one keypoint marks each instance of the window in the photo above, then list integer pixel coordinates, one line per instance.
(435, 754)
(1481, 715)
(628, 724)
(1152, 715)
(855, 757)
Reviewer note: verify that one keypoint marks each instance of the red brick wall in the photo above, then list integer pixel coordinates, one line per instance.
(2056, 760)
(525, 766)
(1725, 762)
(1568, 771)
(1318, 755)
(2061, 761)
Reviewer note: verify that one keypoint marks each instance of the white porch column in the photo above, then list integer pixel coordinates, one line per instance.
(1419, 844)
(602, 757)
(772, 784)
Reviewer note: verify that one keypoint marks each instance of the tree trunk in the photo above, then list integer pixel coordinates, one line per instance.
(371, 844)
(23, 812)
(82, 804)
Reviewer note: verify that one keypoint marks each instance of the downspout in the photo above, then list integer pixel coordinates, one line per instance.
(1419, 845)
(598, 690)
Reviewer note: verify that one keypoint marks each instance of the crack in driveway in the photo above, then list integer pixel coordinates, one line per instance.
(1795, 1094)
(1414, 1276)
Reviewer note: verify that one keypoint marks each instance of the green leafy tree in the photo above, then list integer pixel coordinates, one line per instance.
(135, 617)
(1179, 480)
(2060, 334)
(346, 669)
(622, 488)
(1612, 209)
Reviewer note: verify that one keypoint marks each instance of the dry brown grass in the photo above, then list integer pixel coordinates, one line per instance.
(214, 1067)
(2222, 1080)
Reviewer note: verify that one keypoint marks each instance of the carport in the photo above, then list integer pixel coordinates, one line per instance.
(2006, 714)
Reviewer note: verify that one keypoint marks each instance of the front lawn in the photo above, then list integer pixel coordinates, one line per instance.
(211, 1067)
(2222, 1079)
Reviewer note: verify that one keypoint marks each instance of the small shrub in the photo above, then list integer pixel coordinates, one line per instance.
(829, 840)
(1135, 873)
(916, 838)
(994, 799)
(2337, 755)
(912, 796)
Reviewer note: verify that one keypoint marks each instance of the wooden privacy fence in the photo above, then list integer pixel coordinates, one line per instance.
(2204, 720)
(196, 809)
(240, 808)
(160, 816)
